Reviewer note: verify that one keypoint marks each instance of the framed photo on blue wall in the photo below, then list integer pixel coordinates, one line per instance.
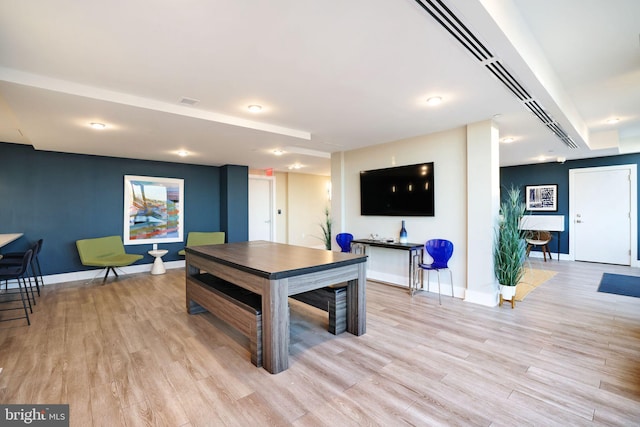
(541, 197)
(153, 210)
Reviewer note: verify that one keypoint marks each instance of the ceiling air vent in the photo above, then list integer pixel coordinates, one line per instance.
(454, 26)
(189, 101)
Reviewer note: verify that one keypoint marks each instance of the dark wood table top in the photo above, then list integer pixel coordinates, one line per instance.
(274, 260)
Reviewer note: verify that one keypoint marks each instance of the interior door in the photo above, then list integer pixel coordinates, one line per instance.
(261, 208)
(602, 215)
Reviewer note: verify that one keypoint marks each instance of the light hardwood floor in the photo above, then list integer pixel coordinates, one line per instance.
(127, 353)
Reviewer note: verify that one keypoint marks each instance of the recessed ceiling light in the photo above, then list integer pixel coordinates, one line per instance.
(183, 153)
(613, 121)
(254, 108)
(295, 166)
(97, 125)
(278, 152)
(434, 100)
(507, 140)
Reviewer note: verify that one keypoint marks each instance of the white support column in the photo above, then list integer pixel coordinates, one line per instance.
(337, 197)
(483, 203)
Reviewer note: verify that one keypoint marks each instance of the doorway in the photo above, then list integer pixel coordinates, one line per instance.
(603, 213)
(261, 207)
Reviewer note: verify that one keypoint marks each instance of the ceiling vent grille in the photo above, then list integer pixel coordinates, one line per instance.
(188, 101)
(454, 26)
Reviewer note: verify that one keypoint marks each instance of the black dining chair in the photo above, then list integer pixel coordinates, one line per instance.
(17, 272)
(34, 265)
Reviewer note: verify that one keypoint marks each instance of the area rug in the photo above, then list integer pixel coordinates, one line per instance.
(532, 279)
(620, 284)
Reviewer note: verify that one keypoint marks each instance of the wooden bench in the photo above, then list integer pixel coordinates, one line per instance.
(238, 307)
(332, 299)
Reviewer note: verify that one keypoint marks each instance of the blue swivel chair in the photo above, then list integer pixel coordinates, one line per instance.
(344, 241)
(441, 251)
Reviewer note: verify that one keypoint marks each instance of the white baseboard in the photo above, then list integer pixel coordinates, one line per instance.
(90, 274)
(392, 279)
(488, 296)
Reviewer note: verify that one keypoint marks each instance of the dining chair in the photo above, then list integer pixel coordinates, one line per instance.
(440, 251)
(344, 241)
(542, 239)
(17, 272)
(34, 265)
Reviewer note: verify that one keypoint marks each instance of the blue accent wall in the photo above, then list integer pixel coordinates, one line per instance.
(234, 187)
(558, 173)
(61, 198)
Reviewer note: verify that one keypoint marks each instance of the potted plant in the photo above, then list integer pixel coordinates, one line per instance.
(326, 230)
(509, 250)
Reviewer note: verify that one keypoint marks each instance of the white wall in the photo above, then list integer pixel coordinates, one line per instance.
(448, 152)
(300, 203)
(282, 211)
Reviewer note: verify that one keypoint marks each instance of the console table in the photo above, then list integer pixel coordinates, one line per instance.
(552, 223)
(416, 251)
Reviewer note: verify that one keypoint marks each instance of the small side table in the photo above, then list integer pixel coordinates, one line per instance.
(158, 265)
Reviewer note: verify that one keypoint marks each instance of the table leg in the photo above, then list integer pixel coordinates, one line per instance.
(415, 257)
(357, 302)
(275, 325)
(412, 283)
(158, 266)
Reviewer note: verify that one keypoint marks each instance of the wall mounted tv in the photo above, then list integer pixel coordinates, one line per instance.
(398, 191)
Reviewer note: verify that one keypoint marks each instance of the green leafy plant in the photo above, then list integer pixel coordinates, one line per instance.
(509, 250)
(326, 229)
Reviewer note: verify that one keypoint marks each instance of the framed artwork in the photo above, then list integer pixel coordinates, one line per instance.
(542, 197)
(153, 210)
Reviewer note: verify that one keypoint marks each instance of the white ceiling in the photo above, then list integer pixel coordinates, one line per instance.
(331, 75)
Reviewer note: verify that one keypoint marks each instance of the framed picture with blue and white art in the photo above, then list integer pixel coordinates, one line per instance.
(153, 210)
(541, 197)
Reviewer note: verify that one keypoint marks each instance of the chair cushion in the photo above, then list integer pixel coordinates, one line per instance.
(537, 242)
(121, 260)
(105, 252)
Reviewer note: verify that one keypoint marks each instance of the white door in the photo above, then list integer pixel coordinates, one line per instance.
(261, 196)
(601, 215)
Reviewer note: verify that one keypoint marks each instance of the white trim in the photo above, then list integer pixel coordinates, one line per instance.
(86, 91)
(91, 274)
(272, 200)
(633, 207)
(489, 296)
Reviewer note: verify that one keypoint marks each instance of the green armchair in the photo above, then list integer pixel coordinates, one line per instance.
(200, 238)
(107, 252)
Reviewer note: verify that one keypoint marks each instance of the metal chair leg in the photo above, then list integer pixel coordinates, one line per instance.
(451, 278)
(26, 313)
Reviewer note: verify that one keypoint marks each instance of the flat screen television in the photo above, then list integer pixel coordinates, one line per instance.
(398, 191)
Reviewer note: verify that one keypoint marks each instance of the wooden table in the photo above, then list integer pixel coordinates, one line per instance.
(8, 238)
(276, 271)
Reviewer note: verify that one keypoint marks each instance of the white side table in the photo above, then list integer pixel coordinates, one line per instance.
(158, 265)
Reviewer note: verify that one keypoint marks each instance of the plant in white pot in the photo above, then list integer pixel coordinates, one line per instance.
(509, 250)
